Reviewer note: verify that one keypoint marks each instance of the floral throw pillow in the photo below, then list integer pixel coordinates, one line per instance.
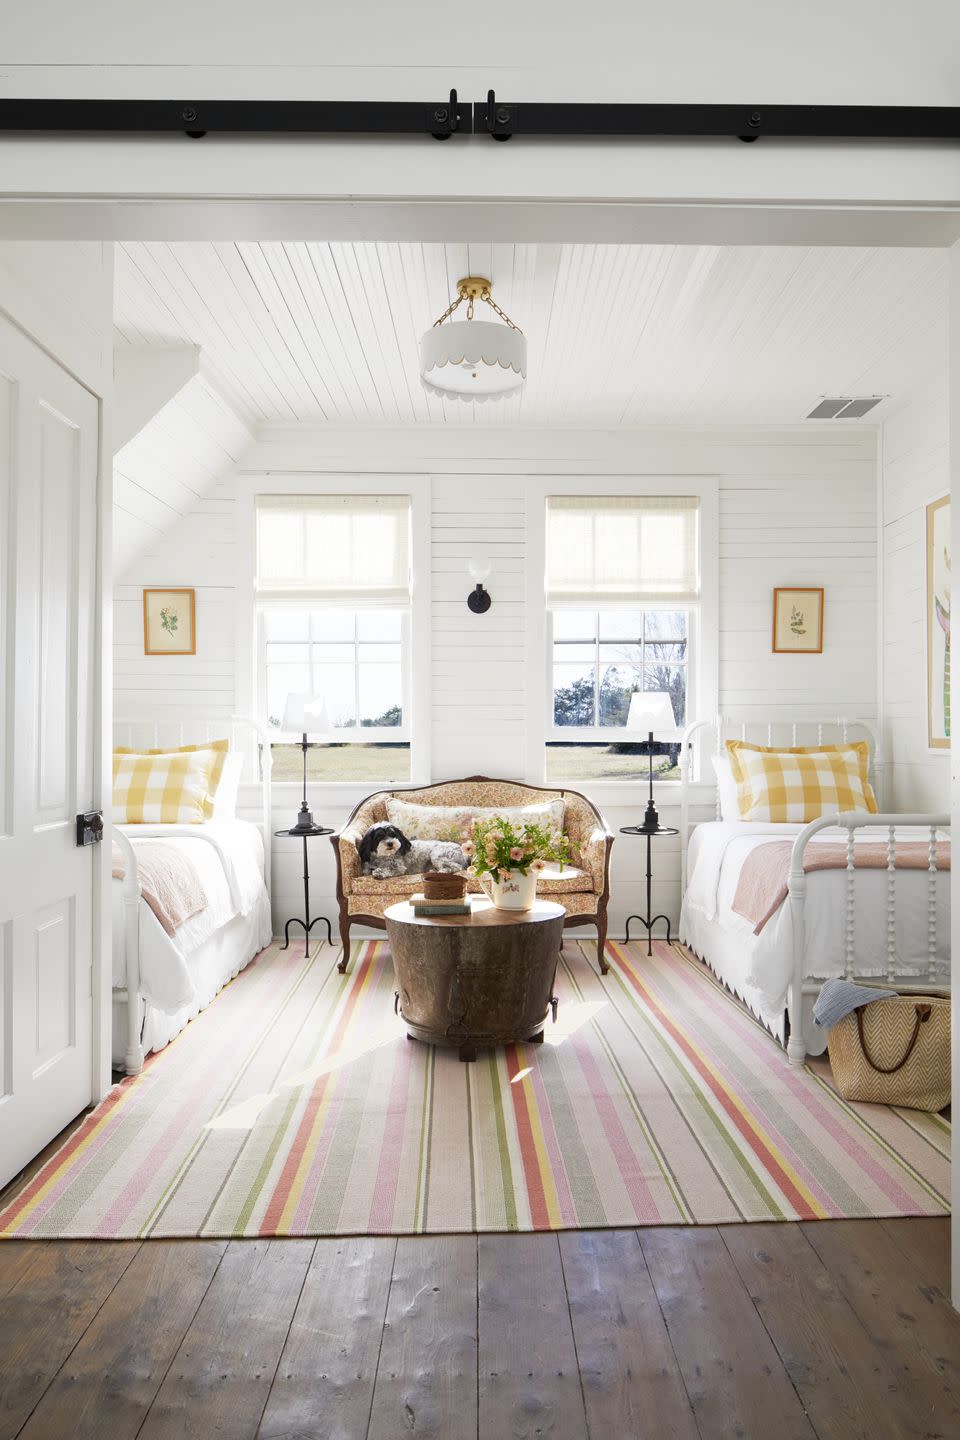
(451, 822)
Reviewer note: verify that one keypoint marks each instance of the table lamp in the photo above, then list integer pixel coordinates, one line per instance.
(306, 714)
(652, 710)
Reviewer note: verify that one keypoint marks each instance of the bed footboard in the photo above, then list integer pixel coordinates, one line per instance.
(852, 821)
(133, 1051)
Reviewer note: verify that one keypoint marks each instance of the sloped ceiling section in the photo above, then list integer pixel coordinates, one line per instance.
(170, 467)
(619, 335)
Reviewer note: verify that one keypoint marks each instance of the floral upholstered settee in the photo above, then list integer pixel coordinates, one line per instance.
(583, 891)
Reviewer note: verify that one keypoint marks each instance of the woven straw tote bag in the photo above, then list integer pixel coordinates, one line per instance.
(895, 1052)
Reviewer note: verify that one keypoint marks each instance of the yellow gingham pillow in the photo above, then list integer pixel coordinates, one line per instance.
(167, 787)
(800, 783)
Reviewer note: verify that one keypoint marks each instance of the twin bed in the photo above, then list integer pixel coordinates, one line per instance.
(775, 909)
(208, 914)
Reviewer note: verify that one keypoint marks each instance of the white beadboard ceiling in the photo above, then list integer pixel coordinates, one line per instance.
(619, 335)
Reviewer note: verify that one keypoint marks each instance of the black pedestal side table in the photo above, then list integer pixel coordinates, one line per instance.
(306, 834)
(648, 921)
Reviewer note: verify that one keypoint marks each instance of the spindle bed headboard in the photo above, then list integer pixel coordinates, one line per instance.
(247, 737)
(704, 738)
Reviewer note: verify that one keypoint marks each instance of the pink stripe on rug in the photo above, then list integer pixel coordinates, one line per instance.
(646, 1210)
(768, 1057)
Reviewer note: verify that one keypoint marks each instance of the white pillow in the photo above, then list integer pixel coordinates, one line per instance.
(726, 787)
(227, 792)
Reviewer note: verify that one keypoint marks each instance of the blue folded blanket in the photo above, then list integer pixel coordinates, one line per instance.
(839, 997)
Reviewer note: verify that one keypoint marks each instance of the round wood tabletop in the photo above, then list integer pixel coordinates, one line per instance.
(484, 913)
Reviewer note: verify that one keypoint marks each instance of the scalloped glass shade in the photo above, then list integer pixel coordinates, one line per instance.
(473, 360)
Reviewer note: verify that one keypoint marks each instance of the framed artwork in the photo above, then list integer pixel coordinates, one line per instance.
(169, 622)
(798, 621)
(938, 624)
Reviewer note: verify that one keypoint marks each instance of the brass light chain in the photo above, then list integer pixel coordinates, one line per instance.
(502, 313)
(471, 290)
(449, 311)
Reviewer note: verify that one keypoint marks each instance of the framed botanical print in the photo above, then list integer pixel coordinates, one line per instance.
(169, 622)
(798, 621)
(938, 624)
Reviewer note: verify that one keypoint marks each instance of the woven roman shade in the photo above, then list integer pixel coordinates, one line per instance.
(622, 548)
(352, 549)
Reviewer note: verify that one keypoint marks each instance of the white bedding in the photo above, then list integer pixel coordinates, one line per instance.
(228, 855)
(759, 967)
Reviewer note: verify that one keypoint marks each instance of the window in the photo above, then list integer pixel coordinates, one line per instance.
(333, 602)
(622, 592)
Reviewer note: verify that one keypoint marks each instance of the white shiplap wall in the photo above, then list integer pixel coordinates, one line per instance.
(199, 552)
(478, 661)
(796, 507)
(916, 469)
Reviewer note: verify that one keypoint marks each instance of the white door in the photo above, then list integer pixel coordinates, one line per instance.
(48, 492)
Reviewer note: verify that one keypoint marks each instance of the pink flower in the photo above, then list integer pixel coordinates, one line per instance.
(467, 847)
(516, 853)
(468, 826)
(538, 866)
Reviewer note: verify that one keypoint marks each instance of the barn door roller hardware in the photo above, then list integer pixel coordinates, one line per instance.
(503, 119)
(197, 118)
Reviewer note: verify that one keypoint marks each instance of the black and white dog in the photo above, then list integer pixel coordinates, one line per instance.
(385, 851)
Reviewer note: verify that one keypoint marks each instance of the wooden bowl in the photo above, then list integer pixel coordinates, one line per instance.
(439, 886)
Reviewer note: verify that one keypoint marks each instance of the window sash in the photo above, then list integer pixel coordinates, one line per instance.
(333, 549)
(612, 733)
(357, 734)
(624, 549)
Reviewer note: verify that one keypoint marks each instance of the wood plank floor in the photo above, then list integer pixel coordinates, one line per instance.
(826, 1331)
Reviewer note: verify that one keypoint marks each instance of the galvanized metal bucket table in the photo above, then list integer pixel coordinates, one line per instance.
(479, 980)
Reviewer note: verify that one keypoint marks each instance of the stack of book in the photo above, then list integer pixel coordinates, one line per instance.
(452, 906)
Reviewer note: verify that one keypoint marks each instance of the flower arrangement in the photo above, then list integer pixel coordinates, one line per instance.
(496, 845)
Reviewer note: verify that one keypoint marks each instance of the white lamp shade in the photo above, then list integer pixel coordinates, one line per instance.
(473, 360)
(652, 710)
(479, 567)
(306, 714)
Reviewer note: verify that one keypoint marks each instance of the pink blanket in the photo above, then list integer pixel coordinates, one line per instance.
(168, 882)
(762, 886)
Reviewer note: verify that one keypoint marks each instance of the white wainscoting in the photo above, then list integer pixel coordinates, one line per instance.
(916, 469)
(796, 508)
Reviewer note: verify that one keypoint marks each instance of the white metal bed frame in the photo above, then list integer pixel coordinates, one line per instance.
(843, 730)
(154, 734)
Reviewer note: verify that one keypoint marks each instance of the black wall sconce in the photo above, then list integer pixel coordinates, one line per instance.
(479, 600)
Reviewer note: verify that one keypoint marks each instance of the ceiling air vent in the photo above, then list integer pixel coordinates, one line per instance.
(843, 407)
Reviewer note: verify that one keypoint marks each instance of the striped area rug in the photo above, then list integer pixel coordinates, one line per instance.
(295, 1105)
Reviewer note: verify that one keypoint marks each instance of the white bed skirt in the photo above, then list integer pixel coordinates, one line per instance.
(224, 954)
(728, 956)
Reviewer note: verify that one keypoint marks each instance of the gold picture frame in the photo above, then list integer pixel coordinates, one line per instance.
(170, 622)
(937, 529)
(798, 620)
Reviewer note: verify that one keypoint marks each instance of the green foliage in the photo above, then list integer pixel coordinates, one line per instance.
(496, 845)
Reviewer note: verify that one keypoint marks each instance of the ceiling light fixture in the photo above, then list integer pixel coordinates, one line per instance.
(473, 359)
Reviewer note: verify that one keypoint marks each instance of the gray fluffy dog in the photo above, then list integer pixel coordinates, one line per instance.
(384, 851)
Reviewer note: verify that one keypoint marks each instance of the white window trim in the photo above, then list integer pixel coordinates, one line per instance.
(419, 726)
(703, 676)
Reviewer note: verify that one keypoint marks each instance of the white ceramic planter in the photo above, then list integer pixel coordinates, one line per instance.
(513, 891)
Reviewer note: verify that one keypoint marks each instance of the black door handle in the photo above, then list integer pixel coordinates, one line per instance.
(90, 827)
